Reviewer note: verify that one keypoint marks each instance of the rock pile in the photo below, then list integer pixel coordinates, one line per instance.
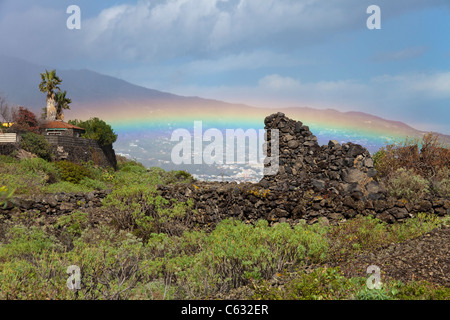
(214, 201)
(56, 204)
(333, 182)
(341, 169)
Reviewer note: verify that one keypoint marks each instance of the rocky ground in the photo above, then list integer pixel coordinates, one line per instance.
(424, 258)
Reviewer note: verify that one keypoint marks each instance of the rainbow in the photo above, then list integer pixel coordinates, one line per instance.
(369, 131)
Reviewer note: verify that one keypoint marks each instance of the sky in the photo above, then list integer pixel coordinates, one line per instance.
(269, 53)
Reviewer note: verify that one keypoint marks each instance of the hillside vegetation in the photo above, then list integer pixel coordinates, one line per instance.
(136, 246)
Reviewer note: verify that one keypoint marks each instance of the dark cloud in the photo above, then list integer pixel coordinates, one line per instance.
(157, 30)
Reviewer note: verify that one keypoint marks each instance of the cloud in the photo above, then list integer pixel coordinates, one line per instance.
(414, 97)
(407, 53)
(149, 31)
(242, 61)
(276, 82)
(277, 90)
(418, 85)
(158, 30)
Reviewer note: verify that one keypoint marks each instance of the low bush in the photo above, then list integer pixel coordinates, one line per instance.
(75, 222)
(72, 172)
(93, 184)
(321, 284)
(139, 209)
(425, 156)
(21, 241)
(7, 160)
(233, 255)
(64, 186)
(177, 176)
(36, 143)
(441, 183)
(40, 166)
(404, 183)
(367, 234)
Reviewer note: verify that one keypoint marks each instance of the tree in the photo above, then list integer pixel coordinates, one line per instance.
(50, 82)
(5, 110)
(61, 103)
(25, 121)
(96, 129)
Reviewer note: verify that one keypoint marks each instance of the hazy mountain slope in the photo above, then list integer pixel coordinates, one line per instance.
(94, 94)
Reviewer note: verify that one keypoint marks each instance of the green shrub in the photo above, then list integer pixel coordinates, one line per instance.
(41, 166)
(23, 241)
(21, 179)
(93, 184)
(72, 172)
(64, 186)
(136, 206)
(7, 160)
(74, 222)
(320, 284)
(36, 143)
(367, 234)
(177, 176)
(415, 227)
(406, 184)
(235, 253)
(133, 166)
(441, 183)
(421, 290)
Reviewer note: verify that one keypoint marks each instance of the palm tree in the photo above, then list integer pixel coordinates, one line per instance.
(61, 103)
(50, 82)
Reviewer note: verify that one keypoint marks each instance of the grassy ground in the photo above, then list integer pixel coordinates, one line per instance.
(135, 247)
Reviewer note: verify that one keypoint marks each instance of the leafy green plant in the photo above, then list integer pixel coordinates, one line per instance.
(93, 184)
(72, 172)
(40, 166)
(64, 186)
(374, 294)
(320, 284)
(406, 184)
(415, 227)
(236, 253)
(22, 241)
(74, 222)
(7, 159)
(5, 195)
(441, 183)
(36, 143)
(367, 234)
(139, 208)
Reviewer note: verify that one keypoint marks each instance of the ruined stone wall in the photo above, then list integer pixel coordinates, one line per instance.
(342, 169)
(333, 182)
(55, 204)
(81, 150)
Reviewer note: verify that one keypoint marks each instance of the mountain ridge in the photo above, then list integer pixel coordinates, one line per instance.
(96, 94)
